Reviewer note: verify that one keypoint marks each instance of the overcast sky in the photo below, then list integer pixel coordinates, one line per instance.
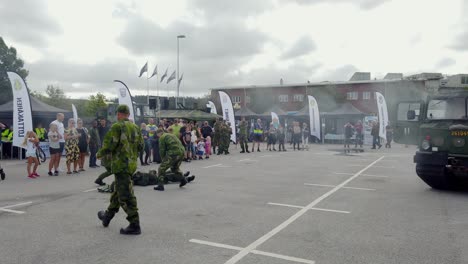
(82, 46)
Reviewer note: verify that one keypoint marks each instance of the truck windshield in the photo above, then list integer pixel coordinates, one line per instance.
(449, 108)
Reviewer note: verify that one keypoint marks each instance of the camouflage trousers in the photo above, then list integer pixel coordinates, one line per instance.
(105, 174)
(170, 162)
(223, 145)
(124, 197)
(243, 142)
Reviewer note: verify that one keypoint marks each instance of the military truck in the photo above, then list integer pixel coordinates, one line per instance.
(440, 127)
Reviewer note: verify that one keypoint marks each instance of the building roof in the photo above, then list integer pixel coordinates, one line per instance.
(244, 111)
(361, 76)
(308, 84)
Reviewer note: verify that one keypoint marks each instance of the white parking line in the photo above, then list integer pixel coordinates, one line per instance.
(257, 252)
(315, 208)
(211, 166)
(244, 252)
(6, 208)
(90, 190)
(333, 186)
(365, 175)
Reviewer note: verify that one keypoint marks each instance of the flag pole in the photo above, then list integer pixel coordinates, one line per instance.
(147, 86)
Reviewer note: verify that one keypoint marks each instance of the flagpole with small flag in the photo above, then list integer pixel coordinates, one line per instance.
(143, 70)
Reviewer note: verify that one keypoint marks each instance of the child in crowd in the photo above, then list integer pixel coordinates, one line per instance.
(201, 148)
(54, 148)
(207, 147)
(30, 142)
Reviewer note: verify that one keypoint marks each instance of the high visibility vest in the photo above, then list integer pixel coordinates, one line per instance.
(10, 136)
(40, 132)
(5, 134)
(258, 130)
(152, 129)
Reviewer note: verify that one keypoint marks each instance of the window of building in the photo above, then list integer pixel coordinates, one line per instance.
(298, 98)
(352, 95)
(366, 95)
(283, 98)
(236, 99)
(464, 79)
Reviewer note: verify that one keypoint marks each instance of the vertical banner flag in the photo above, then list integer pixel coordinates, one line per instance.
(383, 114)
(172, 77)
(125, 97)
(212, 107)
(314, 115)
(75, 114)
(228, 113)
(275, 120)
(22, 114)
(144, 69)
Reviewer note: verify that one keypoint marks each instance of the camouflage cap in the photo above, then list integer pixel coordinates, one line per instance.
(123, 109)
(159, 130)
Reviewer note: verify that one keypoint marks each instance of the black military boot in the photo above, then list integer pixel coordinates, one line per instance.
(187, 174)
(105, 217)
(160, 187)
(191, 178)
(131, 229)
(2, 174)
(183, 182)
(99, 182)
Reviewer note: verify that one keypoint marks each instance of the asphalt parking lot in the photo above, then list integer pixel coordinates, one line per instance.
(316, 206)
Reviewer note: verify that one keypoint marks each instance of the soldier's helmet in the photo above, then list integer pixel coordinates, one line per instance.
(123, 109)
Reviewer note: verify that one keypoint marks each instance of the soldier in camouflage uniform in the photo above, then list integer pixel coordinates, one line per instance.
(122, 143)
(224, 139)
(217, 135)
(172, 154)
(243, 134)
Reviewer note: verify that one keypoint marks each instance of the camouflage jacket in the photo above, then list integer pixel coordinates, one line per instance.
(121, 146)
(170, 145)
(243, 128)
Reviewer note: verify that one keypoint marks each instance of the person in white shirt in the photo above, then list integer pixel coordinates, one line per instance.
(30, 142)
(61, 130)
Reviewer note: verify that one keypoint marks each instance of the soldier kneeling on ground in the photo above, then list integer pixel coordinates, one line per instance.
(172, 154)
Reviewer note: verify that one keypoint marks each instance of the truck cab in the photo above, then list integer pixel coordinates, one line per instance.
(442, 138)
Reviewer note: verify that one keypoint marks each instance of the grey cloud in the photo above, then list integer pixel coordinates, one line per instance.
(446, 62)
(460, 43)
(92, 78)
(215, 41)
(228, 8)
(363, 4)
(301, 47)
(27, 22)
(343, 73)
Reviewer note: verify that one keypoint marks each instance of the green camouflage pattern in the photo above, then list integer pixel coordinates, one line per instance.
(243, 135)
(122, 145)
(124, 197)
(170, 145)
(172, 162)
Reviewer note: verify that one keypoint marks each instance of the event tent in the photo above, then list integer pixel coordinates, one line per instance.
(245, 111)
(41, 112)
(195, 115)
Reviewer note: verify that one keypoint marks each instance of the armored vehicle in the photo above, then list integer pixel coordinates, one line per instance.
(440, 126)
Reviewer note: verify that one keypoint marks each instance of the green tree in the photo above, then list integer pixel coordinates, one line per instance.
(55, 93)
(9, 61)
(95, 104)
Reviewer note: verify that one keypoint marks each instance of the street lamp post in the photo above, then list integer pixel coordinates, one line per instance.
(177, 97)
